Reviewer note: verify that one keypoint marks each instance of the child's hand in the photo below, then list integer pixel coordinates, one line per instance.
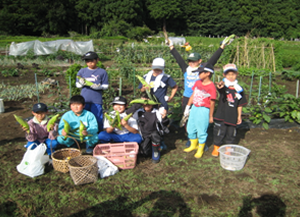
(220, 84)
(124, 123)
(163, 113)
(23, 128)
(63, 133)
(211, 120)
(239, 120)
(81, 81)
(51, 127)
(84, 132)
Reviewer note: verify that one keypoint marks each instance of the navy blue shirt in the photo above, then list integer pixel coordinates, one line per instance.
(161, 92)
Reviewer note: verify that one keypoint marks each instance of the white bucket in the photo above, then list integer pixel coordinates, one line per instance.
(1, 106)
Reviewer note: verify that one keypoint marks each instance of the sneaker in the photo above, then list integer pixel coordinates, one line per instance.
(188, 143)
(89, 149)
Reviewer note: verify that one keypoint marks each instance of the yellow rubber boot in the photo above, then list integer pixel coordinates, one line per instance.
(215, 152)
(200, 151)
(193, 145)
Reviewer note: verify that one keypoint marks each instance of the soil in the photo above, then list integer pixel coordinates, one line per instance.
(175, 140)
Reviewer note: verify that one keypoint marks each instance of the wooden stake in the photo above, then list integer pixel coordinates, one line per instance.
(274, 67)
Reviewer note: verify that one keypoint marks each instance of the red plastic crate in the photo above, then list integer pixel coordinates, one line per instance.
(123, 155)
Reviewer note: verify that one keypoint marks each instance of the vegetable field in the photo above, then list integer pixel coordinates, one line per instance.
(180, 185)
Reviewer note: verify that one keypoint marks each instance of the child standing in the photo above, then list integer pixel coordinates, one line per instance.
(159, 82)
(152, 125)
(129, 131)
(93, 93)
(38, 129)
(203, 100)
(229, 110)
(73, 117)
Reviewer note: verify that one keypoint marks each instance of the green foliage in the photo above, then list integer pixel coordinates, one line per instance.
(10, 73)
(72, 71)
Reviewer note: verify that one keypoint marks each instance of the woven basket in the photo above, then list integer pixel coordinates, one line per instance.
(83, 169)
(61, 157)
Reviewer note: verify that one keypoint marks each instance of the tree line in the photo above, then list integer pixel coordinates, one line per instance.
(262, 18)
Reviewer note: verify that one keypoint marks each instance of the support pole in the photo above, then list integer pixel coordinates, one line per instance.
(259, 88)
(37, 88)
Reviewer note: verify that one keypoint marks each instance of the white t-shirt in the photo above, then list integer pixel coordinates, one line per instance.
(131, 122)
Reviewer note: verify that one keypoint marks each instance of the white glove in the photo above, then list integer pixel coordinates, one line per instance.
(96, 86)
(169, 42)
(81, 81)
(187, 110)
(167, 98)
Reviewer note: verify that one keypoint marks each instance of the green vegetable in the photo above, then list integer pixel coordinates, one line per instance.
(86, 82)
(81, 128)
(22, 122)
(67, 127)
(144, 102)
(227, 40)
(148, 88)
(51, 122)
(127, 117)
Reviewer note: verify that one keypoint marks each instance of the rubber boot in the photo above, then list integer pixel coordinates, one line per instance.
(215, 152)
(193, 145)
(155, 152)
(200, 150)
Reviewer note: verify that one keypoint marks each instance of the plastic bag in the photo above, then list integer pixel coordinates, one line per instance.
(33, 161)
(105, 167)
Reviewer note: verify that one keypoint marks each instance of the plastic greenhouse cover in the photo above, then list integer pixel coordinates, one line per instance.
(178, 40)
(49, 47)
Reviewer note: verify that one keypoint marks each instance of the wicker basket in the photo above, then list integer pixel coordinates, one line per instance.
(83, 169)
(61, 157)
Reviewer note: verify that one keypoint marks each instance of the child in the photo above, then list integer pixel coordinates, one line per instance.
(189, 70)
(152, 125)
(93, 94)
(229, 110)
(129, 131)
(38, 129)
(73, 117)
(201, 114)
(159, 82)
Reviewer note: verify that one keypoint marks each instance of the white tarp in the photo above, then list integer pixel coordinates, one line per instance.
(178, 40)
(49, 47)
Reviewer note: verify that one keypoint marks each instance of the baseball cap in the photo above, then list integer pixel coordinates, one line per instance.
(158, 63)
(90, 56)
(194, 56)
(206, 68)
(119, 100)
(229, 67)
(39, 107)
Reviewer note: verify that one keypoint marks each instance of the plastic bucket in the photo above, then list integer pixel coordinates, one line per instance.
(233, 157)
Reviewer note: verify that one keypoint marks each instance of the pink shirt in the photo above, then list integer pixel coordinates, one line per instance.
(39, 131)
(203, 94)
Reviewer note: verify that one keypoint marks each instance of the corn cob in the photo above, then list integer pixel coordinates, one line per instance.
(67, 127)
(51, 122)
(227, 39)
(118, 123)
(22, 122)
(86, 82)
(147, 86)
(81, 128)
(109, 118)
(144, 101)
(127, 117)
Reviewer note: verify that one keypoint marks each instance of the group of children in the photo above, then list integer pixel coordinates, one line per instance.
(149, 122)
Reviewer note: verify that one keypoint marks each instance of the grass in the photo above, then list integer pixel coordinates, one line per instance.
(179, 185)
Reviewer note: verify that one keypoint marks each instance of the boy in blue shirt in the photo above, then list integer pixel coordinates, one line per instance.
(93, 93)
(73, 117)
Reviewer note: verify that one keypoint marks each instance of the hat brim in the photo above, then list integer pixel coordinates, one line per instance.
(118, 102)
(158, 67)
(230, 69)
(201, 69)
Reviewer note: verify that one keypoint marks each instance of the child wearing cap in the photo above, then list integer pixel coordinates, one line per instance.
(194, 61)
(201, 114)
(152, 124)
(229, 111)
(159, 82)
(73, 118)
(129, 130)
(38, 129)
(92, 93)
